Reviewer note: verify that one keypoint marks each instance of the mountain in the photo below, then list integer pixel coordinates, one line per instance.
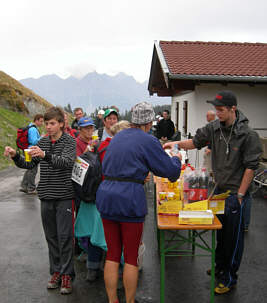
(93, 90)
(16, 97)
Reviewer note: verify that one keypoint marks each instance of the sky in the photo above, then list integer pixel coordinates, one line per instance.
(40, 37)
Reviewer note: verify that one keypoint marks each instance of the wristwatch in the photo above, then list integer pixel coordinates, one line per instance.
(240, 195)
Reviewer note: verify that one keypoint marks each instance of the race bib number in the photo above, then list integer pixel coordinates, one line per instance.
(79, 170)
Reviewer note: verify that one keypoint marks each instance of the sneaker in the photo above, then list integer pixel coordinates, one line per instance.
(32, 192)
(66, 287)
(54, 282)
(218, 272)
(221, 289)
(24, 190)
(92, 275)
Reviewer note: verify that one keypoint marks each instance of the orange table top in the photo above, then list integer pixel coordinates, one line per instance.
(172, 222)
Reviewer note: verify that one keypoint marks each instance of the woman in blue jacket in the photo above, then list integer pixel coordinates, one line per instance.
(121, 197)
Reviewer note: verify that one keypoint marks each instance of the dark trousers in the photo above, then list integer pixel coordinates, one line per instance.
(95, 255)
(230, 240)
(28, 181)
(58, 228)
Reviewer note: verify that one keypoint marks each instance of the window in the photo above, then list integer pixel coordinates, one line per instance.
(185, 117)
(177, 116)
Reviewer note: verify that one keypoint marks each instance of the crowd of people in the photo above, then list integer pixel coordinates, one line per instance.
(111, 228)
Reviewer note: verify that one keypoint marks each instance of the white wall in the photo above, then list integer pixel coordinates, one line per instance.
(252, 101)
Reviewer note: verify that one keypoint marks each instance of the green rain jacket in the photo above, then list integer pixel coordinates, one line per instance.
(244, 150)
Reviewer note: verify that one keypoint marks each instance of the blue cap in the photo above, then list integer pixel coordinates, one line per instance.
(85, 121)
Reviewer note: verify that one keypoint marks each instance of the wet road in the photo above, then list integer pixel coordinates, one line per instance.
(24, 259)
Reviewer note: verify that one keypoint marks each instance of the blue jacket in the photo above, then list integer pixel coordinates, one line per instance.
(132, 153)
(33, 136)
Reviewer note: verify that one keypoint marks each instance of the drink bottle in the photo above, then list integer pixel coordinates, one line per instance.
(203, 184)
(193, 193)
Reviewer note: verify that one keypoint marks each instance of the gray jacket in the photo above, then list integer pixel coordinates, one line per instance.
(244, 150)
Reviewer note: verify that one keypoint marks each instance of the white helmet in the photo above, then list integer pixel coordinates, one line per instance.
(101, 112)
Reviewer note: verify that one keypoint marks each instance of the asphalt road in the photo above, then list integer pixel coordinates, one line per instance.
(24, 259)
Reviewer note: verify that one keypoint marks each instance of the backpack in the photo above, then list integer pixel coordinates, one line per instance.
(86, 190)
(22, 137)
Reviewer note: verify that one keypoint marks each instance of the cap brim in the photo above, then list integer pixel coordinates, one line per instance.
(88, 124)
(215, 102)
(113, 111)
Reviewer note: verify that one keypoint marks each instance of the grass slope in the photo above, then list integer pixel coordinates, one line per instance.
(14, 93)
(9, 122)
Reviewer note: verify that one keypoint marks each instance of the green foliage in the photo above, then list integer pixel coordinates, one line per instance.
(161, 108)
(13, 93)
(9, 122)
(157, 108)
(68, 108)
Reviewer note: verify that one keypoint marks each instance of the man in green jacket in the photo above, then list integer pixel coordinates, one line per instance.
(236, 150)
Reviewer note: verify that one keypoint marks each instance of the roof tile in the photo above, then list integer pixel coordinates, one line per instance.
(215, 58)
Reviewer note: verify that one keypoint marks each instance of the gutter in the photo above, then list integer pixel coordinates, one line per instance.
(253, 79)
(163, 64)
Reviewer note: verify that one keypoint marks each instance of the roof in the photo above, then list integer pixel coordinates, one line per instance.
(177, 66)
(215, 58)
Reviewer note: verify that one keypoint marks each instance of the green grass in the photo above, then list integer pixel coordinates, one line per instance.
(14, 93)
(9, 122)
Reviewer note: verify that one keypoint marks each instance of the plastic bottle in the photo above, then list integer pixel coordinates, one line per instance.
(186, 178)
(203, 184)
(193, 194)
(175, 149)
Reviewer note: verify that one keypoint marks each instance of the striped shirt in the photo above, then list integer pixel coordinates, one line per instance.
(55, 169)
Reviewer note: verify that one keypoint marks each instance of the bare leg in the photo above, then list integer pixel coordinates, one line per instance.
(130, 279)
(111, 275)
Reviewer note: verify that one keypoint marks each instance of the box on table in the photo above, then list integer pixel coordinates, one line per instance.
(199, 205)
(195, 217)
(217, 203)
(171, 207)
(217, 206)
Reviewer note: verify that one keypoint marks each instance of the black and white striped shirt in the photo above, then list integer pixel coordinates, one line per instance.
(55, 169)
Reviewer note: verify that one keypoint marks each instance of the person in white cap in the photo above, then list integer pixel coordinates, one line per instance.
(99, 121)
(121, 200)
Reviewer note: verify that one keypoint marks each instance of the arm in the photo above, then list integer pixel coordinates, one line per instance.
(67, 157)
(172, 129)
(251, 156)
(160, 163)
(185, 144)
(246, 180)
(19, 160)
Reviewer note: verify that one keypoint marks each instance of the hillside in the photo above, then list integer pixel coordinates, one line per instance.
(9, 122)
(93, 90)
(16, 97)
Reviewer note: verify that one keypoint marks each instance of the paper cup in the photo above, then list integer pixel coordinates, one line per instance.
(170, 195)
(162, 195)
(28, 157)
(95, 137)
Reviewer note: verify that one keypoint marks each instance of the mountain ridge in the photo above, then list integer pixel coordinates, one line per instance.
(93, 90)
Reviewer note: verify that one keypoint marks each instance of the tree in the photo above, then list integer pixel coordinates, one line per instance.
(68, 108)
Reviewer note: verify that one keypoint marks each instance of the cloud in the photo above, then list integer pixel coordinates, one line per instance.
(40, 37)
(80, 70)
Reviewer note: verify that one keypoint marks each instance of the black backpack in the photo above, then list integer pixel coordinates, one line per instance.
(93, 177)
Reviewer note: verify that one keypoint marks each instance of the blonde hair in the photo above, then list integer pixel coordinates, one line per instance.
(119, 126)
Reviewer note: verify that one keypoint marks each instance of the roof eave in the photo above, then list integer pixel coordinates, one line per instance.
(163, 64)
(228, 78)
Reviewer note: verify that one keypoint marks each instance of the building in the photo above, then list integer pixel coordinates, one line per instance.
(193, 72)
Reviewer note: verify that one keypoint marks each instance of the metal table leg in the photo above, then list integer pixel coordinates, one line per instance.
(212, 267)
(162, 266)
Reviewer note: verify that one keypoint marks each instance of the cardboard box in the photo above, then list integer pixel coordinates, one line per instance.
(196, 217)
(217, 206)
(171, 207)
(199, 205)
